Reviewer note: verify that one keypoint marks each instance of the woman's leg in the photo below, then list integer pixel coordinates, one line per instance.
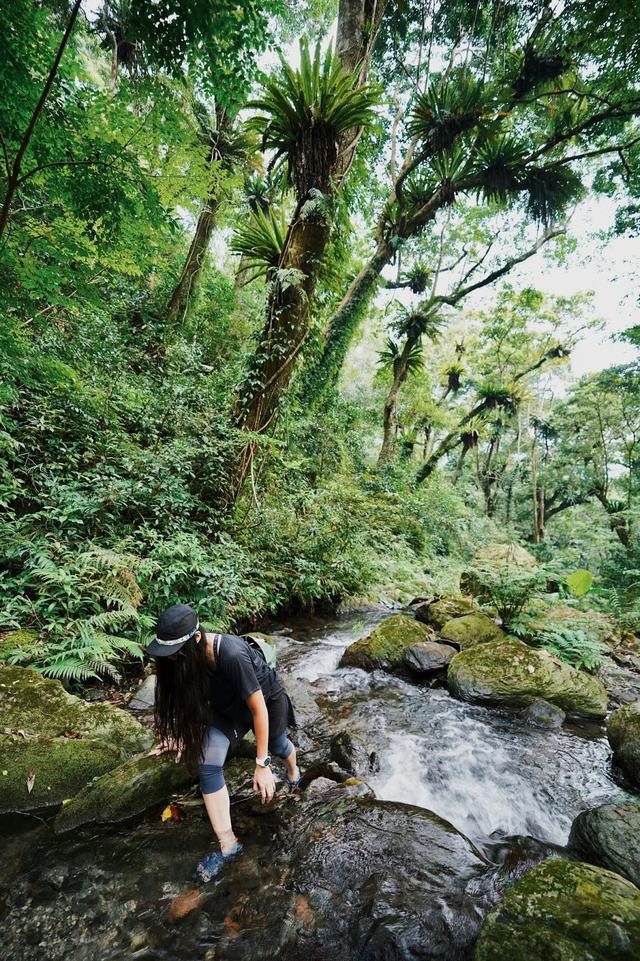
(282, 747)
(279, 743)
(214, 791)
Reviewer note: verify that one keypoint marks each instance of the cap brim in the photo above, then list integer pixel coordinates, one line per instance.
(164, 650)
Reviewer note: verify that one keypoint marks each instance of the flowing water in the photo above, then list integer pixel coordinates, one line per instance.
(107, 894)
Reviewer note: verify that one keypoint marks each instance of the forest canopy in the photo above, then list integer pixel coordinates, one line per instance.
(271, 332)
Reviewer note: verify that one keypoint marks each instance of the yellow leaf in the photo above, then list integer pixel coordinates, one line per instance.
(166, 814)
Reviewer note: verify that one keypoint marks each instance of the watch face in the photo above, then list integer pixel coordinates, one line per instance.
(267, 761)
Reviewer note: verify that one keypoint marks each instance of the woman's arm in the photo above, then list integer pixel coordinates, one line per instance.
(263, 780)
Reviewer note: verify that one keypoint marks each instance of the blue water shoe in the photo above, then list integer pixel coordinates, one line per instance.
(210, 866)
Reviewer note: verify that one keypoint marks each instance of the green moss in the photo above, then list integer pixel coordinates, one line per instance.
(19, 638)
(61, 765)
(386, 644)
(125, 791)
(447, 608)
(40, 706)
(511, 673)
(596, 626)
(472, 629)
(623, 731)
(565, 911)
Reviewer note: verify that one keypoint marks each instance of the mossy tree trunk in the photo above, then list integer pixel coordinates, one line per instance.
(183, 293)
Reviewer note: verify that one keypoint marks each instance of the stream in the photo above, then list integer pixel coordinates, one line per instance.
(115, 893)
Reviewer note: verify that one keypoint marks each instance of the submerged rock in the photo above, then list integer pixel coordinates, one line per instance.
(122, 793)
(351, 753)
(623, 731)
(609, 835)
(385, 646)
(472, 629)
(541, 713)
(145, 696)
(566, 911)
(510, 673)
(445, 609)
(428, 657)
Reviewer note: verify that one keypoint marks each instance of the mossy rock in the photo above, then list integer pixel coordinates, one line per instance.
(443, 610)
(496, 557)
(597, 627)
(128, 790)
(385, 646)
(564, 911)
(509, 673)
(62, 766)
(24, 639)
(472, 629)
(609, 835)
(40, 706)
(623, 731)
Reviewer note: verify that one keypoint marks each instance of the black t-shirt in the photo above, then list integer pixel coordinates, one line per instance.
(240, 671)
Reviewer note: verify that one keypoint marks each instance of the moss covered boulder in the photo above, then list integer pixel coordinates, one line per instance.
(385, 646)
(445, 609)
(133, 787)
(496, 558)
(58, 739)
(609, 835)
(565, 911)
(40, 706)
(623, 731)
(596, 626)
(471, 629)
(54, 768)
(508, 672)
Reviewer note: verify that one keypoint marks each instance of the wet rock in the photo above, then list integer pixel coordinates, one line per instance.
(609, 835)
(144, 698)
(564, 910)
(60, 767)
(320, 786)
(386, 880)
(40, 706)
(428, 657)
(623, 731)
(622, 681)
(438, 612)
(472, 629)
(510, 673)
(63, 740)
(385, 646)
(126, 791)
(350, 752)
(541, 713)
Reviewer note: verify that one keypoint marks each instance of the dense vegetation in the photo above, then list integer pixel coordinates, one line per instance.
(207, 392)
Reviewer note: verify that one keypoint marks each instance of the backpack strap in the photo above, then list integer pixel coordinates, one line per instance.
(215, 648)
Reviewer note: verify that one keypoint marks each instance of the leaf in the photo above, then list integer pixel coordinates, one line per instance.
(580, 582)
(31, 780)
(173, 813)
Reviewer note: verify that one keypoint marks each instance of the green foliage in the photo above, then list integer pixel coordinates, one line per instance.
(572, 645)
(508, 590)
(260, 241)
(444, 111)
(579, 582)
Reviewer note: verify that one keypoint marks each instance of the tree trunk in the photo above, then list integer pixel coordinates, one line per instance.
(184, 291)
(13, 178)
(342, 326)
(399, 376)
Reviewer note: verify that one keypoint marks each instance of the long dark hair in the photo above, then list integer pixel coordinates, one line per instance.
(182, 710)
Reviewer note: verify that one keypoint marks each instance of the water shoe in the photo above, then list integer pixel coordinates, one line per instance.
(210, 866)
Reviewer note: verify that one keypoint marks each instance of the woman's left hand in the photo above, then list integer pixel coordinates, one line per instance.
(264, 783)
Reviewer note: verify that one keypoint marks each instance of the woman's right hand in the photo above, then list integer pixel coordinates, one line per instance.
(165, 747)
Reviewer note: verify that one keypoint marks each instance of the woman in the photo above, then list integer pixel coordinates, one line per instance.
(211, 689)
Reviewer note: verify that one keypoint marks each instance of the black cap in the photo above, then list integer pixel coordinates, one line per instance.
(175, 626)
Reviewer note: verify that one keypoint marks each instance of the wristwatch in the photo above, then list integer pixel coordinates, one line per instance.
(264, 761)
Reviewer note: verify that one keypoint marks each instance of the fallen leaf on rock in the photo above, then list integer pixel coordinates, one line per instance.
(185, 903)
(172, 813)
(73, 734)
(31, 779)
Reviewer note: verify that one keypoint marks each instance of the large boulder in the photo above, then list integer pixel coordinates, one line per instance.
(472, 629)
(597, 627)
(53, 743)
(623, 731)
(496, 558)
(428, 657)
(444, 609)
(510, 673)
(609, 835)
(384, 880)
(565, 911)
(128, 790)
(385, 646)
